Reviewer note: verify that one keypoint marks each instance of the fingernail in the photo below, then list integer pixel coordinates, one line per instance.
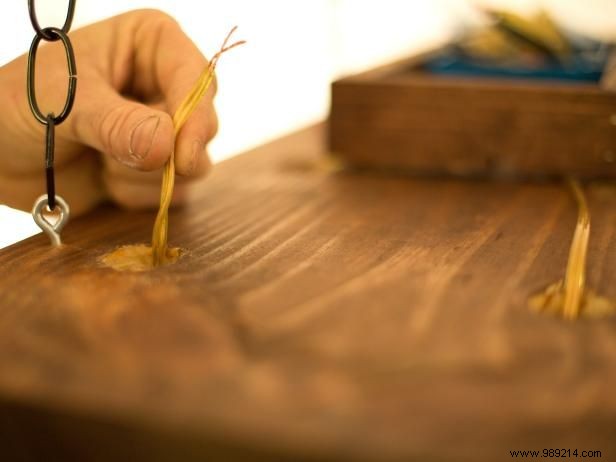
(198, 150)
(142, 137)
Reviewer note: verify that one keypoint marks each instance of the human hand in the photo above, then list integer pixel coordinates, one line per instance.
(133, 70)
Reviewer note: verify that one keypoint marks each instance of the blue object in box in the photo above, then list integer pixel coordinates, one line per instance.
(583, 66)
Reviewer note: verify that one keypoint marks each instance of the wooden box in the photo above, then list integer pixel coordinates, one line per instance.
(403, 116)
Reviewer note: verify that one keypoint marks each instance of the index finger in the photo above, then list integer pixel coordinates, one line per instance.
(168, 61)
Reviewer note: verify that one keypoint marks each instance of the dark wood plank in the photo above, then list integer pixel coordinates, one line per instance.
(318, 315)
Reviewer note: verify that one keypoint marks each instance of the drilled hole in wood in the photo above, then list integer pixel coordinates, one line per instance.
(551, 301)
(138, 258)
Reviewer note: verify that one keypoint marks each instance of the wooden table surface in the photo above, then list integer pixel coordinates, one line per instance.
(317, 315)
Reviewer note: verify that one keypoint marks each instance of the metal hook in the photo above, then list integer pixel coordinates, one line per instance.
(52, 230)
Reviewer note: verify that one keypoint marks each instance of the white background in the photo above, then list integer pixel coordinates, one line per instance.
(280, 80)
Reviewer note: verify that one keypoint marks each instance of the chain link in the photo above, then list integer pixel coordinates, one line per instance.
(51, 34)
(50, 143)
(43, 33)
(72, 76)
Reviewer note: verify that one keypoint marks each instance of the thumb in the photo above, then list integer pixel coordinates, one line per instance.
(134, 134)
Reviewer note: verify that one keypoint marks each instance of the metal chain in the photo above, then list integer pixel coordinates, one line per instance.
(51, 34)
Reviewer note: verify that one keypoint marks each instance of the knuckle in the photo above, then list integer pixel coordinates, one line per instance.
(156, 17)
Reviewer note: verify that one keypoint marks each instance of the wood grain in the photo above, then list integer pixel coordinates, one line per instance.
(318, 315)
(400, 116)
